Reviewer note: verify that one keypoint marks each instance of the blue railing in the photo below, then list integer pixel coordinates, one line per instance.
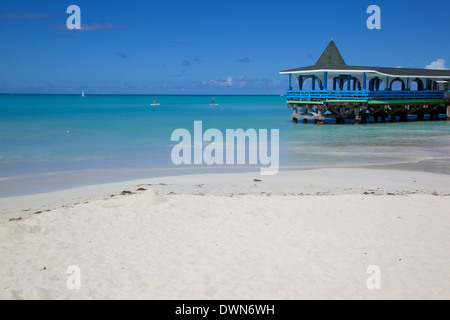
(320, 95)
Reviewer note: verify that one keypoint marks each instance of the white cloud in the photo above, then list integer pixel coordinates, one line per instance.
(271, 83)
(24, 15)
(225, 82)
(228, 82)
(100, 26)
(439, 64)
(94, 26)
(241, 81)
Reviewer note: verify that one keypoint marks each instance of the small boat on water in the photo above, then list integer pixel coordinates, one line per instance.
(82, 94)
(212, 103)
(154, 103)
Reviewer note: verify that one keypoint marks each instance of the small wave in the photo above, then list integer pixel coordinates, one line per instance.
(438, 158)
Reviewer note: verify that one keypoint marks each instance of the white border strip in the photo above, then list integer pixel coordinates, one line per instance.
(361, 71)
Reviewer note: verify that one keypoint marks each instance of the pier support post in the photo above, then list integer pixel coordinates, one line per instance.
(357, 116)
(392, 118)
(305, 120)
(448, 112)
(294, 119)
(433, 115)
(403, 116)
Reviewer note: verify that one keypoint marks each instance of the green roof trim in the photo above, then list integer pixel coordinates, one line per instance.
(334, 101)
(421, 101)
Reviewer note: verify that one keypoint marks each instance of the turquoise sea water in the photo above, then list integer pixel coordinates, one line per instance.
(114, 138)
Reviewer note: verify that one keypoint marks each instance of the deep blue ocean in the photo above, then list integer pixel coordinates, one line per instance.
(48, 142)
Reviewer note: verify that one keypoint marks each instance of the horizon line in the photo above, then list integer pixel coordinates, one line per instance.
(133, 94)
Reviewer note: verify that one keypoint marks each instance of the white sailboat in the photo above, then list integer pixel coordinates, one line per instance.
(82, 94)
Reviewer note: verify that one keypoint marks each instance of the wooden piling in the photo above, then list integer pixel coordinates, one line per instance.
(358, 113)
(433, 115)
(403, 116)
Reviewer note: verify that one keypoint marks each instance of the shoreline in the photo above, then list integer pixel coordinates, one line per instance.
(57, 181)
(330, 181)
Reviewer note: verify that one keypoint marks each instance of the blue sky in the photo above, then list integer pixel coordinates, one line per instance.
(205, 47)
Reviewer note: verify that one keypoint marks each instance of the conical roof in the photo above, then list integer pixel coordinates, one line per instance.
(331, 60)
(331, 56)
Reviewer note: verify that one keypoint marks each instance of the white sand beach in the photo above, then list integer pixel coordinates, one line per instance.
(308, 234)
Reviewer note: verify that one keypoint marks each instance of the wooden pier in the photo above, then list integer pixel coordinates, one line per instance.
(333, 90)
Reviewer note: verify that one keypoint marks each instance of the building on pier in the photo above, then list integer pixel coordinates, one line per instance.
(333, 89)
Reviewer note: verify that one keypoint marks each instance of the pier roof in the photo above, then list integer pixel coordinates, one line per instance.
(331, 60)
(331, 56)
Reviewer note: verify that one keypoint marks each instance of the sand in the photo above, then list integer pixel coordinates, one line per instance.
(298, 235)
